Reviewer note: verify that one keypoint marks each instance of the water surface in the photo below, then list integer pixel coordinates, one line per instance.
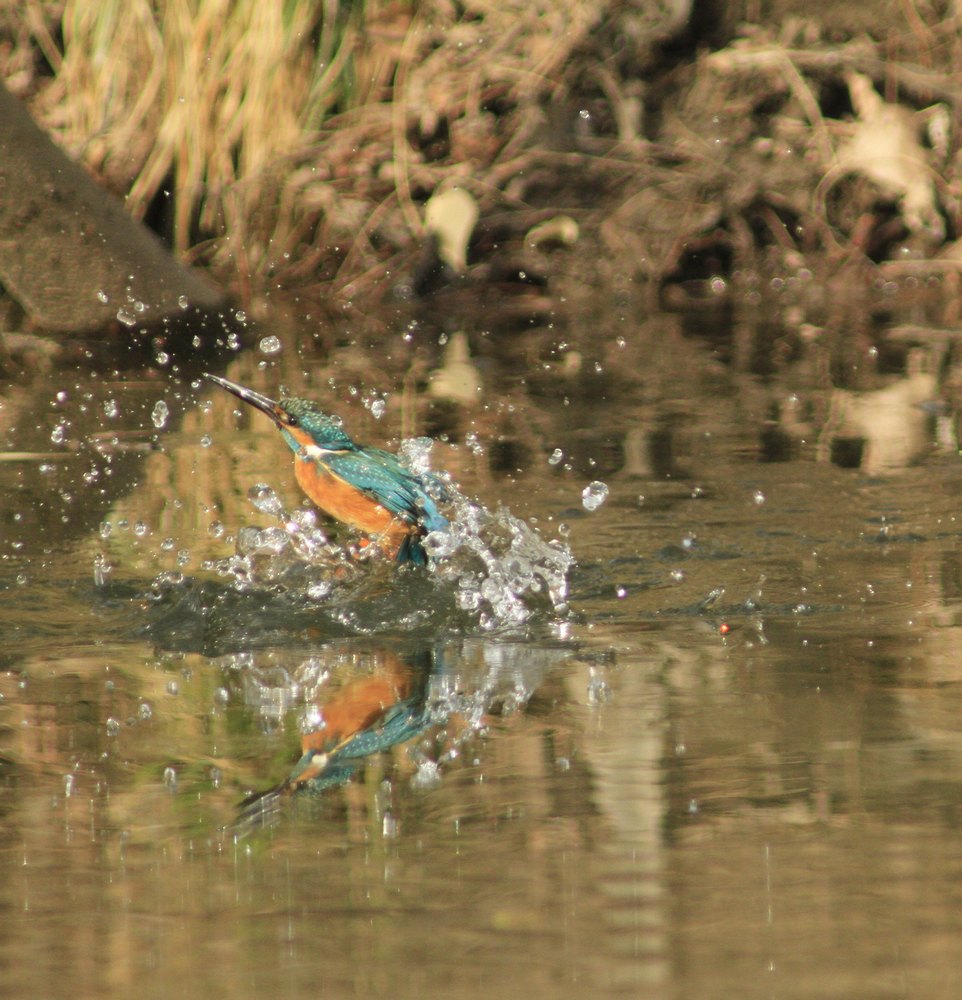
(728, 767)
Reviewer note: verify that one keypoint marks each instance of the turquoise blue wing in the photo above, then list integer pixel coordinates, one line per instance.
(382, 477)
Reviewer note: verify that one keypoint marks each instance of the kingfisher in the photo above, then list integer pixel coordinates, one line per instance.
(365, 488)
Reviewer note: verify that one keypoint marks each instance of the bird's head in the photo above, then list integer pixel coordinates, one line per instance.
(301, 421)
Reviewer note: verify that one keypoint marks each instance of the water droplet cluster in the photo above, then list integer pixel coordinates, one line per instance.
(502, 570)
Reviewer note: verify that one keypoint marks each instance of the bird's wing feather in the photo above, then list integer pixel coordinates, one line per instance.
(382, 477)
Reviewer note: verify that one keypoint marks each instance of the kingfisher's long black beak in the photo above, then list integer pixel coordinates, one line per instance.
(263, 403)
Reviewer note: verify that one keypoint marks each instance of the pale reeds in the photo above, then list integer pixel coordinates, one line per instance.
(216, 114)
(197, 97)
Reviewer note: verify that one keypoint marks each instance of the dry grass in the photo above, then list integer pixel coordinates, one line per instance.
(295, 143)
(200, 98)
(225, 107)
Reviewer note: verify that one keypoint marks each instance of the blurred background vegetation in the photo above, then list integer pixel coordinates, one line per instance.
(295, 145)
(265, 139)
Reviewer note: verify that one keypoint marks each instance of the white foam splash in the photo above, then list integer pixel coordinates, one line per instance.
(499, 570)
(500, 567)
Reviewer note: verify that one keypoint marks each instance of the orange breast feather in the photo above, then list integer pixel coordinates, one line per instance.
(345, 503)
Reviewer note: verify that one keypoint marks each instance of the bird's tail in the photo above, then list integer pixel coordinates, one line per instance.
(412, 551)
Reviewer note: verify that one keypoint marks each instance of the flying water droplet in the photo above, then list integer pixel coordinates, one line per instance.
(270, 345)
(265, 499)
(428, 775)
(594, 495)
(102, 569)
(599, 692)
(160, 413)
(555, 457)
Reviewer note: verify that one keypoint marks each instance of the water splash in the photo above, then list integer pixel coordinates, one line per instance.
(265, 499)
(499, 567)
(488, 569)
(295, 546)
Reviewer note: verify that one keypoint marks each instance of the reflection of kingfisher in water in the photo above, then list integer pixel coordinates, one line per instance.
(369, 714)
(366, 488)
(379, 694)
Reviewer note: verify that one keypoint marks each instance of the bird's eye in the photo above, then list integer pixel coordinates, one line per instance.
(292, 421)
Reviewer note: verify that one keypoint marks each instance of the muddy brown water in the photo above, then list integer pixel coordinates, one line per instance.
(732, 768)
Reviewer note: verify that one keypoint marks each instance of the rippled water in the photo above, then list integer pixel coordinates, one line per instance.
(715, 756)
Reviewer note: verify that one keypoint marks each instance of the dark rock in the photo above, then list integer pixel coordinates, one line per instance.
(69, 254)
